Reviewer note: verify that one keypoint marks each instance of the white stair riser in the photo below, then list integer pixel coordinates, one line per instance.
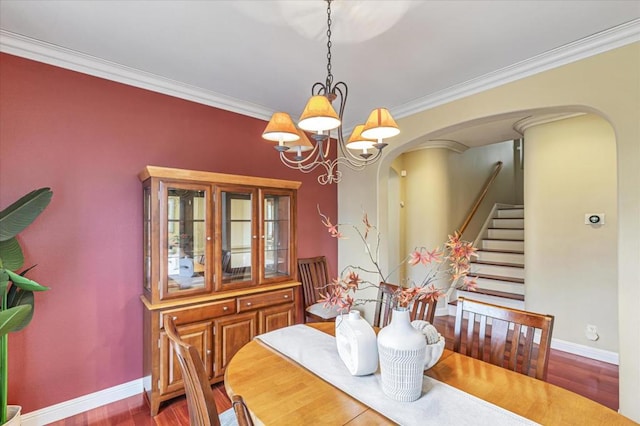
(500, 301)
(503, 245)
(511, 213)
(498, 285)
(502, 257)
(508, 223)
(497, 270)
(506, 234)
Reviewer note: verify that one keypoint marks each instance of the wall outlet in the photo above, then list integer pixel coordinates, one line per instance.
(592, 332)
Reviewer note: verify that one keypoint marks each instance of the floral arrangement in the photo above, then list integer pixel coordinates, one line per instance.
(448, 263)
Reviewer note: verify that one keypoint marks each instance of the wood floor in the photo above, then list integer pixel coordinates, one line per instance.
(593, 379)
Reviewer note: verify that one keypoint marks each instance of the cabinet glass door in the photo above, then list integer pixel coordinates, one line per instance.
(276, 235)
(238, 236)
(186, 239)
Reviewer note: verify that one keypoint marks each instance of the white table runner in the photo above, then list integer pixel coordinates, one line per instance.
(440, 404)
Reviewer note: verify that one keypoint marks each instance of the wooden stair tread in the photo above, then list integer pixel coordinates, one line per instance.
(498, 239)
(503, 294)
(499, 278)
(485, 262)
(505, 229)
(500, 251)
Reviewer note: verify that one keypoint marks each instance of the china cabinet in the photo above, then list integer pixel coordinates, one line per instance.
(219, 256)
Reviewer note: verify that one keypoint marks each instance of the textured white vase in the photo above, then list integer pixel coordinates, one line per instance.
(402, 357)
(356, 343)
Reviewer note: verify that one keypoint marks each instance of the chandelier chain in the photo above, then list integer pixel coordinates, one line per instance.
(329, 75)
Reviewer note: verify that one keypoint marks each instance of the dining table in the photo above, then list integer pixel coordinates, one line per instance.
(280, 391)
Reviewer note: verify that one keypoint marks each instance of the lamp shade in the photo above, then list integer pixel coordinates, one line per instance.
(301, 145)
(280, 128)
(356, 141)
(380, 125)
(318, 115)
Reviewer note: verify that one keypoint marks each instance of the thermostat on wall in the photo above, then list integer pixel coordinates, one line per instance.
(594, 219)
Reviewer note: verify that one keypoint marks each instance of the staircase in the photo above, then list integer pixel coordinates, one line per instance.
(500, 262)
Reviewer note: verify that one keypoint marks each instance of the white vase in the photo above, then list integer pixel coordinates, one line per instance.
(402, 357)
(13, 415)
(356, 342)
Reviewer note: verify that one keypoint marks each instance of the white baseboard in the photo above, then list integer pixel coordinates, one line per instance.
(586, 351)
(81, 404)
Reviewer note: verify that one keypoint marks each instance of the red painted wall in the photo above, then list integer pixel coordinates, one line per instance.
(87, 138)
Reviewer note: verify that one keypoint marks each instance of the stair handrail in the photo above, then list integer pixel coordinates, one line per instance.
(481, 196)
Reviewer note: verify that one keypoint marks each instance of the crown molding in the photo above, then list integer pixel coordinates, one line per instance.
(51, 54)
(603, 41)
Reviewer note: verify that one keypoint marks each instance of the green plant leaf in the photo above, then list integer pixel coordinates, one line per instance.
(12, 318)
(20, 214)
(20, 297)
(25, 283)
(4, 282)
(11, 256)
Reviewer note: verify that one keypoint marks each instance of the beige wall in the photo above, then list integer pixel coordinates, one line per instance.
(607, 84)
(470, 172)
(571, 268)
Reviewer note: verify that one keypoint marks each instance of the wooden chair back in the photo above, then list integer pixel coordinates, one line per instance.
(200, 401)
(314, 276)
(384, 304)
(424, 310)
(509, 341)
(197, 388)
(241, 410)
(420, 309)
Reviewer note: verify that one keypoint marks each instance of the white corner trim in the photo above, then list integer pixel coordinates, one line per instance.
(19, 45)
(612, 38)
(586, 351)
(454, 146)
(81, 404)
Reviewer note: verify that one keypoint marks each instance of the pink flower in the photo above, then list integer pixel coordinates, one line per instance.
(424, 256)
(450, 263)
(367, 225)
(470, 283)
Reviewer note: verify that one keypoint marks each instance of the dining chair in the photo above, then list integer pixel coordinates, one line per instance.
(314, 276)
(200, 401)
(504, 336)
(420, 309)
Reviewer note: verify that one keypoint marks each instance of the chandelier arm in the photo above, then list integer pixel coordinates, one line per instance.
(331, 175)
(319, 88)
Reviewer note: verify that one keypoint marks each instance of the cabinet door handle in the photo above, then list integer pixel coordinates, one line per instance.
(208, 351)
(263, 237)
(174, 318)
(255, 236)
(225, 308)
(208, 238)
(286, 296)
(248, 303)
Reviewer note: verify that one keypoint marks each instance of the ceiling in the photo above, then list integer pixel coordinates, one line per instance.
(257, 57)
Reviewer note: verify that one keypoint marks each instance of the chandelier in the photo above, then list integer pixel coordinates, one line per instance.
(363, 147)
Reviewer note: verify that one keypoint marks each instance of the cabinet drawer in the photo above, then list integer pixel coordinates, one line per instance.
(201, 312)
(256, 301)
